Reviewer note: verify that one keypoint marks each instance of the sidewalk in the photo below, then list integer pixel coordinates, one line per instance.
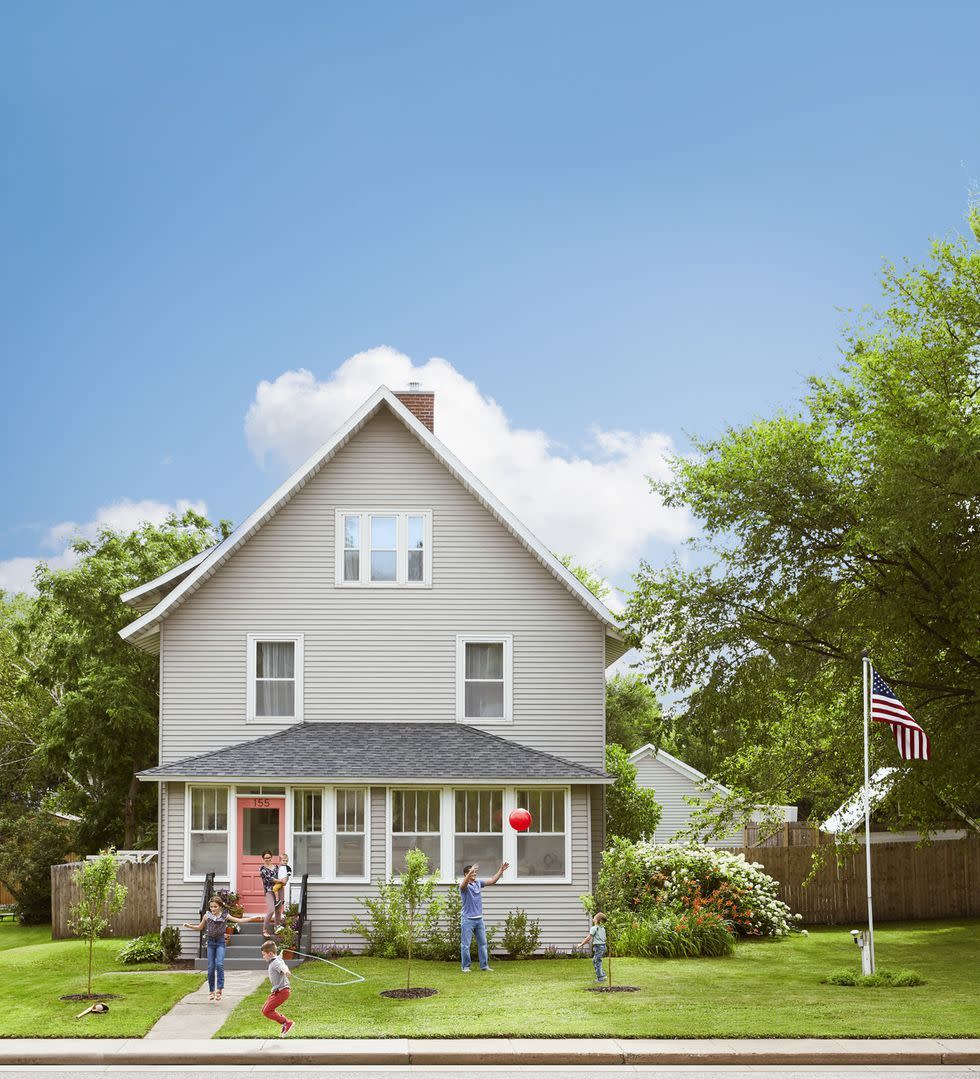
(195, 1017)
(475, 1051)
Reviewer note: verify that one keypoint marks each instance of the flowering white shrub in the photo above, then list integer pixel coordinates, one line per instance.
(644, 878)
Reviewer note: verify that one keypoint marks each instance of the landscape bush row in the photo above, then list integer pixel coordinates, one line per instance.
(678, 902)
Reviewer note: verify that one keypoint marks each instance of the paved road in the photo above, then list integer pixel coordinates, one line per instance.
(666, 1071)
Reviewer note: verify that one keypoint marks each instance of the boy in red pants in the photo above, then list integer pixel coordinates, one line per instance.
(279, 979)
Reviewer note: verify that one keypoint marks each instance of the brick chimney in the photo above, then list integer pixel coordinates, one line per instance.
(421, 403)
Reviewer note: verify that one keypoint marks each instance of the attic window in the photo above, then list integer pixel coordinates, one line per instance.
(384, 548)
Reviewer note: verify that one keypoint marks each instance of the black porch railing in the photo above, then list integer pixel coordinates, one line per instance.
(301, 920)
(205, 897)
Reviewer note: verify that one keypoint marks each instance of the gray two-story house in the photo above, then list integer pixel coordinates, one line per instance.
(380, 657)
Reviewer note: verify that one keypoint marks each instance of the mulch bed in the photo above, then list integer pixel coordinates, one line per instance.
(407, 994)
(613, 989)
(91, 996)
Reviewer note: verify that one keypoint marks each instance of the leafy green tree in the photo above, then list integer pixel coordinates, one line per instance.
(101, 694)
(418, 892)
(632, 812)
(31, 837)
(590, 576)
(633, 715)
(101, 896)
(851, 523)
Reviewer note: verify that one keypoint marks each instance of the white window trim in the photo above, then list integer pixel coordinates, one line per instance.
(567, 878)
(401, 560)
(252, 640)
(230, 832)
(329, 833)
(448, 832)
(507, 640)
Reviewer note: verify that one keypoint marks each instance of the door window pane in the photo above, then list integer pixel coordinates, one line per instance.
(260, 828)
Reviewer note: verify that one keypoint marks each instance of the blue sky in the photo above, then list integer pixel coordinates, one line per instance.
(612, 220)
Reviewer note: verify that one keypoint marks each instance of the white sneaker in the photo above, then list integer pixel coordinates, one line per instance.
(486, 968)
(465, 970)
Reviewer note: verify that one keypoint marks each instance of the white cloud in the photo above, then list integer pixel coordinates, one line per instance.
(594, 504)
(16, 573)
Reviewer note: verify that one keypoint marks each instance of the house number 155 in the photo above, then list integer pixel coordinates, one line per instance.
(261, 803)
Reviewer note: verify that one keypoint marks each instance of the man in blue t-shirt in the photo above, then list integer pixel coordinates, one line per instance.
(471, 891)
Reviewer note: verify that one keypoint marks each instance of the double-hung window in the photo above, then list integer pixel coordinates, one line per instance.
(208, 833)
(307, 849)
(542, 849)
(275, 677)
(415, 824)
(484, 679)
(385, 548)
(479, 835)
(350, 855)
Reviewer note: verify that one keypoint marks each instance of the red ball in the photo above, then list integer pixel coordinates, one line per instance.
(520, 820)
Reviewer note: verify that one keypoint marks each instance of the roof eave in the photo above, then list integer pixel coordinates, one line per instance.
(378, 781)
(314, 463)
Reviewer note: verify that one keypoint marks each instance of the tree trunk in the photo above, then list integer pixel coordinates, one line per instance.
(411, 933)
(129, 814)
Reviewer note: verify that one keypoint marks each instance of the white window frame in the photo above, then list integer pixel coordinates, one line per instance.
(503, 826)
(566, 879)
(231, 832)
(401, 559)
(448, 834)
(507, 640)
(329, 833)
(331, 845)
(254, 639)
(444, 846)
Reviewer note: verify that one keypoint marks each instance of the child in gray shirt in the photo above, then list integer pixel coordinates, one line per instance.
(279, 981)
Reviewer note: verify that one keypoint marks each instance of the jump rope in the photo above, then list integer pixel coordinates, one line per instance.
(352, 980)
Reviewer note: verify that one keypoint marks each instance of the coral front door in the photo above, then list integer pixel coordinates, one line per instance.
(261, 826)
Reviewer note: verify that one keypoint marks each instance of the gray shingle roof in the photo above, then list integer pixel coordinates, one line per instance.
(415, 752)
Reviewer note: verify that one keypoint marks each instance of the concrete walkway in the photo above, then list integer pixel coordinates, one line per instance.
(471, 1052)
(197, 1017)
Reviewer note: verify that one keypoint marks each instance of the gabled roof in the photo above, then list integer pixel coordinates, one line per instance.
(678, 766)
(411, 752)
(683, 768)
(144, 629)
(849, 815)
(142, 596)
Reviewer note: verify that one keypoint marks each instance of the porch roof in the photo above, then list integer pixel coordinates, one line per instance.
(410, 752)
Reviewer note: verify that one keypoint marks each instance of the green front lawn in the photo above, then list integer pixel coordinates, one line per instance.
(35, 971)
(769, 989)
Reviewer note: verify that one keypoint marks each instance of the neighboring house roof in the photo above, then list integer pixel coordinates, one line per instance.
(142, 631)
(849, 815)
(685, 769)
(415, 752)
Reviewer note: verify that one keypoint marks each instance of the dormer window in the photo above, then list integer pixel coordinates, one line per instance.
(384, 548)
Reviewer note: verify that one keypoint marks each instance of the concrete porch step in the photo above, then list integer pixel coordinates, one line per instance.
(243, 949)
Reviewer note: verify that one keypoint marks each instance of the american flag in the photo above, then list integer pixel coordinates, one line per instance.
(911, 739)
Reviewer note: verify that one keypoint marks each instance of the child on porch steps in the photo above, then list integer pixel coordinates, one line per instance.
(279, 980)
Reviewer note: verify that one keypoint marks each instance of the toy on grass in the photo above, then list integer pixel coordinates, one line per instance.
(98, 1008)
(520, 820)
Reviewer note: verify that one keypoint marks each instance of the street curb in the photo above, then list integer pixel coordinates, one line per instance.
(465, 1052)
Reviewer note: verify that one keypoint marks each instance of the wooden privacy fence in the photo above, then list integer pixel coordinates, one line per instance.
(140, 913)
(941, 880)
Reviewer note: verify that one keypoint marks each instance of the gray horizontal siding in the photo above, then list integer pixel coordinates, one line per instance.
(384, 654)
(331, 907)
(671, 788)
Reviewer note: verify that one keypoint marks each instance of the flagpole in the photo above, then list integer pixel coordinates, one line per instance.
(866, 679)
